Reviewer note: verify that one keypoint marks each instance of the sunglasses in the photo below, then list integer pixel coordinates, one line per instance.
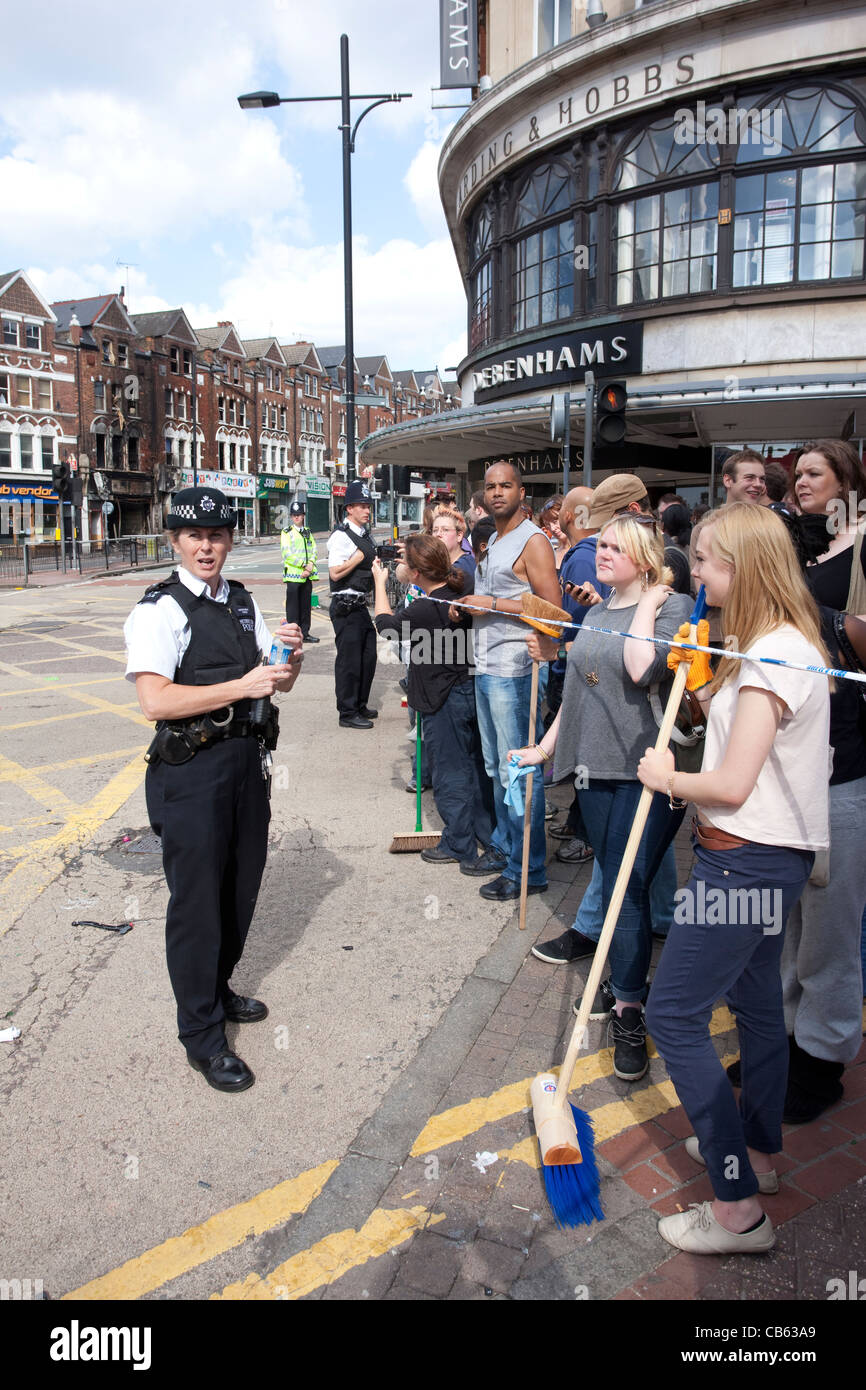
(640, 518)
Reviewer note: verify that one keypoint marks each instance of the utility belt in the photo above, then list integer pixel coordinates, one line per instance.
(343, 603)
(176, 741)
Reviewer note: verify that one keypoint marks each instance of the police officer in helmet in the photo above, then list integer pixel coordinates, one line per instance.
(351, 552)
(195, 644)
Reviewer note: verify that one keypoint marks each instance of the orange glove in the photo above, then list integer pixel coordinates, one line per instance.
(700, 670)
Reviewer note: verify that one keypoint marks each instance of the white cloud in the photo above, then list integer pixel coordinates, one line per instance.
(422, 184)
(407, 297)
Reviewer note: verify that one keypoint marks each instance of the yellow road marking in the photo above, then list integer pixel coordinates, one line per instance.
(45, 858)
(224, 1231)
(460, 1120)
(329, 1259)
(55, 661)
(49, 719)
(6, 776)
(33, 784)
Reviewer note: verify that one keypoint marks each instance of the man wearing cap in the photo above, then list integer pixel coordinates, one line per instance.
(194, 649)
(300, 570)
(351, 552)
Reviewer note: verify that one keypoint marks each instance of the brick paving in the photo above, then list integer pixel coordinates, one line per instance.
(491, 1234)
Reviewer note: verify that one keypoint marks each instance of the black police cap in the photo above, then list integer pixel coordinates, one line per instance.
(200, 506)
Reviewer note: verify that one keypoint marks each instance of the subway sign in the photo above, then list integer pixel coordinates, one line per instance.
(560, 360)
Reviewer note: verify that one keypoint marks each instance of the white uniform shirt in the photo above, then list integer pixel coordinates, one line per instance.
(341, 549)
(158, 634)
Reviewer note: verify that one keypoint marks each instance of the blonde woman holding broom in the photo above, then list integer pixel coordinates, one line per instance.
(604, 723)
(762, 812)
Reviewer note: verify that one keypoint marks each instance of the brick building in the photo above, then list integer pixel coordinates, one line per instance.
(110, 396)
(228, 418)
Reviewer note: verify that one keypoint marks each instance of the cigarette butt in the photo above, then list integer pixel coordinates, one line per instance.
(515, 1207)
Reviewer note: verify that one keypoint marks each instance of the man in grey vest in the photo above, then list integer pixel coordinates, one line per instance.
(518, 559)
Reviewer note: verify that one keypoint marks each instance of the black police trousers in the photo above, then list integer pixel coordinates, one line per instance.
(299, 602)
(355, 665)
(212, 815)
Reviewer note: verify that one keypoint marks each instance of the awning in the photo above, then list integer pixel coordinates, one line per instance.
(680, 417)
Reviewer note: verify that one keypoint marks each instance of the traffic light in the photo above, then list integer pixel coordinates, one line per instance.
(611, 403)
(61, 477)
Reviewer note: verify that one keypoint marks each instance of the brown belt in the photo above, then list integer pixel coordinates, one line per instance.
(712, 838)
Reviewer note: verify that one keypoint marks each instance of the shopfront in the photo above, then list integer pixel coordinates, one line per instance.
(240, 487)
(28, 512)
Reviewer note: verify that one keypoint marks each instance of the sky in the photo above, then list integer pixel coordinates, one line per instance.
(122, 145)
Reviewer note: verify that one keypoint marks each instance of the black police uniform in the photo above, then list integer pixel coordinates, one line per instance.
(212, 814)
(354, 633)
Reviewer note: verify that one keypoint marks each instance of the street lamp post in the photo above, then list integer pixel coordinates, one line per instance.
(255, 100)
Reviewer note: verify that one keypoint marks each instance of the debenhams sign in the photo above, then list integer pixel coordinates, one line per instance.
(560, 360)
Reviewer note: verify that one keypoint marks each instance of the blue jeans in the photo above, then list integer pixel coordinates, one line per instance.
(737, 960)
(502, 703)
(608, 809)
(461, 787)
(590, 915)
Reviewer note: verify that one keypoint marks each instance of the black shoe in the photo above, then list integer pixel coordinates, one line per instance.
(628, 1032)
(572, 945)
(308, 637)
(355, 721)
(574, 852)
(602, 1005)
(503, 889)
(367, 713)
(490, 862)
(439, 856)
(814, 1084)
(240, 1009)
(224, 1071)
(735, 1074)
(550, 809)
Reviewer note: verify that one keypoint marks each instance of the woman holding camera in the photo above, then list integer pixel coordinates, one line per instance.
(442, 692)
(194, 647)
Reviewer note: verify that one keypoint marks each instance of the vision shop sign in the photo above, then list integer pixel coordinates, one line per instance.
(556, 361)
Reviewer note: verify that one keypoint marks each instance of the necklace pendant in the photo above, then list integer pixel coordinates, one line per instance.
(591, 677)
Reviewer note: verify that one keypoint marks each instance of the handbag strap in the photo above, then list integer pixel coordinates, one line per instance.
(856, 600)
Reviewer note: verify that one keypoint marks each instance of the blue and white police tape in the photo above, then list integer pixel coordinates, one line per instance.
(684, 646)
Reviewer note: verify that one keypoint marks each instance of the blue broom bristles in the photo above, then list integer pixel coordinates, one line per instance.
(573, 1188)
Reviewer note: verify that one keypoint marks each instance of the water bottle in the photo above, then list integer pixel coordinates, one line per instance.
(279, 656)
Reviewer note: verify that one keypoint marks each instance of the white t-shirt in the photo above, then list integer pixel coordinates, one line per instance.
(158, 634)
(789, 804)
(341, 549)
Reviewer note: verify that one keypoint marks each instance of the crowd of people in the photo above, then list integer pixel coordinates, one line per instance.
(778, 794)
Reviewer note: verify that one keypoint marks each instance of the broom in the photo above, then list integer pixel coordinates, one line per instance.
(414, 841)
(564, 1132)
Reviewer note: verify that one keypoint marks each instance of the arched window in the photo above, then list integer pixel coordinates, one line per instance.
(803, 221)
(665, 150)
(542, 275)
(481, 278)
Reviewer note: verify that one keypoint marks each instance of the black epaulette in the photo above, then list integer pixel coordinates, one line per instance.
(156, 591)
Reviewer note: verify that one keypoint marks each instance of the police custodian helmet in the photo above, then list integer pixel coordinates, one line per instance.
(200, 506)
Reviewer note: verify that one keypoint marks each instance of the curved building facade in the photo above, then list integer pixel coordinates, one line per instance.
(674, 199)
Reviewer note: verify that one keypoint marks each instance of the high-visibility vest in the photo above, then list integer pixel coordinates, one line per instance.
(298, 548)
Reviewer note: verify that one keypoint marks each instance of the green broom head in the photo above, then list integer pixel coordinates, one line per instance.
(573, 1188)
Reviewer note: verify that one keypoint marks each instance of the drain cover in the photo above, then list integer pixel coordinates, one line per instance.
(145, 844)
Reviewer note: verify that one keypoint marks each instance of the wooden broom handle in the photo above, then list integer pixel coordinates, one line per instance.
(599, 961)
(527, 809)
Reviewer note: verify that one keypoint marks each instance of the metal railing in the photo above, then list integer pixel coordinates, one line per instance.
(126, 552)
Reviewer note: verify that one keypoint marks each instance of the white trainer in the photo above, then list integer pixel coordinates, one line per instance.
(768, 1183)
(698, 1232)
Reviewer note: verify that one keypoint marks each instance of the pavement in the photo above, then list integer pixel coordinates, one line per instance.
(386, 1151)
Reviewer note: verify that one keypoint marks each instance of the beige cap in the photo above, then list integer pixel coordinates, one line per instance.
(612, 496)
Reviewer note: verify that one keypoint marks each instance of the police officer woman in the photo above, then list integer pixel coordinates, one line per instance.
(194, 648)
(351, 552)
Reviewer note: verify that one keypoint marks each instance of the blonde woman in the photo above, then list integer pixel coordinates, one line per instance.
(450, 528)
(599, 734)
(762, 812)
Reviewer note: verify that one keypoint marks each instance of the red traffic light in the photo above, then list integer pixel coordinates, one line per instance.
(611, 404)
